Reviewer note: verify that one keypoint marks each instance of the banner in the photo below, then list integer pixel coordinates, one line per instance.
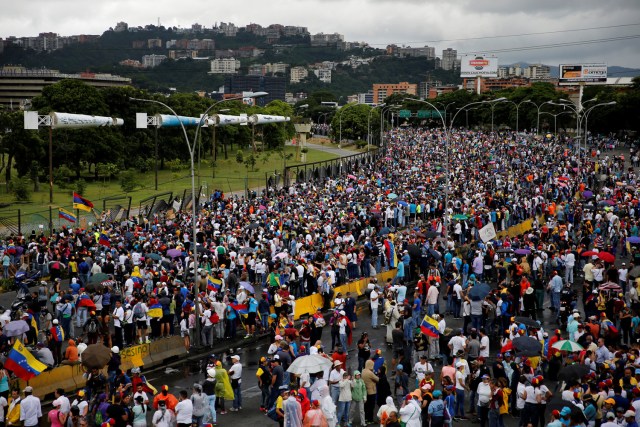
(487, 232)
(572, 74)
(78, 121)
(224, 120)
(262, 119)
(478, 66)
(170, 121)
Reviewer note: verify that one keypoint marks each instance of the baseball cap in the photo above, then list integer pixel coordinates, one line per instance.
(399, 367)
(235, 356)
(610, 401)
(629, 414)
(28, 389)
(337, 363)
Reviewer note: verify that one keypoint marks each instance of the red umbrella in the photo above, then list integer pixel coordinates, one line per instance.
(589, 253)
(507, 347)
(606, 257)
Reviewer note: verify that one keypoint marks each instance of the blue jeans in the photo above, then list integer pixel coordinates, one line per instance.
(334, 391)
(343, 412)
(211, 401)
(343, 342)
(459, 405)
(237, 397)
(431, 309)
(374, 317)
(555, 300)
(476, 321)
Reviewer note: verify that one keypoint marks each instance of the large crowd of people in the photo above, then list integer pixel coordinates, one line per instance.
(418, 211)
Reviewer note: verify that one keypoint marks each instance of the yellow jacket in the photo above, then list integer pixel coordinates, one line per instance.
(13, 414)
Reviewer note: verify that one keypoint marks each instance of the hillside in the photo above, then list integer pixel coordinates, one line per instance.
(186, 75)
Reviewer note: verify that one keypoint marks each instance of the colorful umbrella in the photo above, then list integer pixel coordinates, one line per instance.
(589, 253)
(566, 345)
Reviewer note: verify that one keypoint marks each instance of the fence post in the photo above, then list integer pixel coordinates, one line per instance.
(128, 209)
(19, 222)
(50, 220)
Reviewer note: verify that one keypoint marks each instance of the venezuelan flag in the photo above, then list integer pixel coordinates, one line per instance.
(429, 327)
(240, 308)
(146, 385)
(213, 284)
(66, 215)
(393, 260)
(57, 333)
(81, 203)
(155, 311)
(22, 363)
(104, 240)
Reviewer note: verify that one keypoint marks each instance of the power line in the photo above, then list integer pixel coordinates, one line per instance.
(556, 45)
(516, 35)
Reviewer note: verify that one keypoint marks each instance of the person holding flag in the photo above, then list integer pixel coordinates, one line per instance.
(81, 203)
(141, 385)
(55, 336)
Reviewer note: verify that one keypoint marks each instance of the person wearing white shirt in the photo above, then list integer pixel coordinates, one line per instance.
(118, 317)
(235, 374)
(62, 401)
(30, 408)
(569, 263)
(374, 297)
(484, 344)
(184, 410)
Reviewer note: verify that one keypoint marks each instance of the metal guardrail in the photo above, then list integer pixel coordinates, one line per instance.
(317, 171)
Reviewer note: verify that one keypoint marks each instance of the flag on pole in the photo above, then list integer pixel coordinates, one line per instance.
(155, 311)
(22, 363)
(242, 309)
(429, 327)
(213, 284)
(81, 203)
(66, 215)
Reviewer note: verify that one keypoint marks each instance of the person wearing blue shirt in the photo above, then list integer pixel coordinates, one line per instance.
(406, 260)
(231, 322)
(555, 286)
(436, 410)
(399, 274)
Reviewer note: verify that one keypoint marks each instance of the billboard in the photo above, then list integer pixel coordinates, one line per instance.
(572, 74)
(478, 66)
(78, 121)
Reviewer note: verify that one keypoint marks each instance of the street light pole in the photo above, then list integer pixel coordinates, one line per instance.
(340, 120)
(369, 124)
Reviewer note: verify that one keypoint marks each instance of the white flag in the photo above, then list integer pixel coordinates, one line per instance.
(487, 232)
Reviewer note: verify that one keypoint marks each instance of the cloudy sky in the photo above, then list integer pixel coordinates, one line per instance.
(470, 26)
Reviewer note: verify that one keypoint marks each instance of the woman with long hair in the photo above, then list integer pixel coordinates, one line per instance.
(139, 412)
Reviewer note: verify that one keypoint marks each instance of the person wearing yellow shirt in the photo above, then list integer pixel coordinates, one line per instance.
(13, 410)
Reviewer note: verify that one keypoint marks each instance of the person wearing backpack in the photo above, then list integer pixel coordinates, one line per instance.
(140, 311)
(92, 328)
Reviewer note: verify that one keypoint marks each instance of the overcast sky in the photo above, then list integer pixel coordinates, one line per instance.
(441, 23)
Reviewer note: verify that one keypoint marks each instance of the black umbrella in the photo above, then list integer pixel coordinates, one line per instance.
(435, 254)
(414, 251)
(479, 290)
(505, 251)
(384, 231)
(431, 234)
(573, 372)
(253, 226)
(527, 321)
(527, 346)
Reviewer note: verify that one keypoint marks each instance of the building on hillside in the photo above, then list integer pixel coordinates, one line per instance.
(182, 54)
(427, 52)
(537, 72)
(274, 86)
(323, 74)
(449, 57)
(382, 90)
(298, 74)
(322, 39)
(139, 44)
(121, 27)
(150, 61)
(225, 66)
(18, 85)
(154, 43)
(228, 29)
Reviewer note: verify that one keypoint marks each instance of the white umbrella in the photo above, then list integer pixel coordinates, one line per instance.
(309, 364)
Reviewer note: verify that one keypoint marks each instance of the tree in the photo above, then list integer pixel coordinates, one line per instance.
(354, 119)
(128, 181)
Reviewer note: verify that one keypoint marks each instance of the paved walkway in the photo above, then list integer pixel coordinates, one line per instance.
(330, 148)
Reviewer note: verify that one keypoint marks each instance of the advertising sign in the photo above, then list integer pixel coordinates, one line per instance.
(478, 66)
(170, 121)
(262, 119)
(78, 121)
(224, 120)
(572, 74)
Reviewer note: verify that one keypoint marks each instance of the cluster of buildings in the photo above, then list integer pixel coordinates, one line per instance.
(46, 42)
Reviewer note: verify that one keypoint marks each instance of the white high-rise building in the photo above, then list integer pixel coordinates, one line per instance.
(449, 57)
